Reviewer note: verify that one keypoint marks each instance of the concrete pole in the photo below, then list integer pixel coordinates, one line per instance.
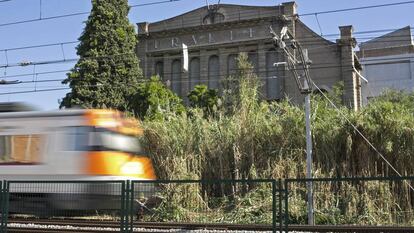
(309, 185)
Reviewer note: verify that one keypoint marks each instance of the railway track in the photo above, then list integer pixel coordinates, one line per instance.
(86, 226)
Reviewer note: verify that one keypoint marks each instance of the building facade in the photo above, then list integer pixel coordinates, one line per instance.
(388, 63)
(215, 36)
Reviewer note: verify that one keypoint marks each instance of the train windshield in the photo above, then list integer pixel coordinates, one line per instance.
(101, 139)
(107, 140)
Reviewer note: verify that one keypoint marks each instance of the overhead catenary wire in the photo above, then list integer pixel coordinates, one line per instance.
(169, 1)
(304, 40)
(79, 13)
(202, 78)
(358, 8)
(72, 60)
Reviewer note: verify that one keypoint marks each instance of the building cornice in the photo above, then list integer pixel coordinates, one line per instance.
(210, 27)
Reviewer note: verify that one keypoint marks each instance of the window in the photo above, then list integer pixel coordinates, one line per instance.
(21, 149)
(77, 138)
(84, 138)
(213, 17)
(4, 148)
(176, 77)
(213, 72)
(194, 72)
(159, 69)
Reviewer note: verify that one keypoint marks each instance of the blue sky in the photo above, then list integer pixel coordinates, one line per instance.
(70, 28)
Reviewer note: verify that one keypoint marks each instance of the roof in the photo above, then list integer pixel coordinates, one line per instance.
(199, 17)
(398, 38)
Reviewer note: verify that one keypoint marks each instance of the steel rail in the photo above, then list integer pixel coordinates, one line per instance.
(159, 227)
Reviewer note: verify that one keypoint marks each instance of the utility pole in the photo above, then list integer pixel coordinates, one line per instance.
(287, 43)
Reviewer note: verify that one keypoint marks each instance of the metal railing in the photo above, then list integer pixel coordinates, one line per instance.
(209, 201)
(363, 201)
(66, 199)
(276, 203)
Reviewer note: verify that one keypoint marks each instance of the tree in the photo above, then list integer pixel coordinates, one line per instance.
(204, 98)
(153, 99)
(107, 72)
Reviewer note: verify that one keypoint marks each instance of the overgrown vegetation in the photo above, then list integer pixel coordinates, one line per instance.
(248, 138)
(153, 100)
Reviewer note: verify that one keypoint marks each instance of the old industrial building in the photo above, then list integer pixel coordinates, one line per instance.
(215, 35)
(388, 63)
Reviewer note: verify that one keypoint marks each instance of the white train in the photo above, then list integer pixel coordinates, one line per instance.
(70, 146)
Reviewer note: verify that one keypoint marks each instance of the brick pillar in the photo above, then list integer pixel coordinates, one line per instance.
(352, 83)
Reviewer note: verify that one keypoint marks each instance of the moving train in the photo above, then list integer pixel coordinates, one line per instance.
(82, 145)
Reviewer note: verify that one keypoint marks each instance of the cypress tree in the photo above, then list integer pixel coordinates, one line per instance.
(107, 73)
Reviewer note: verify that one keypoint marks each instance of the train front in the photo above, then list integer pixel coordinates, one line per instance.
(114, 148)
(113, 152)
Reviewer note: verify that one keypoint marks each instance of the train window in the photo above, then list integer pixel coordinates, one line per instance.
(4, 148)
(111, 141)
(99, 139)
(20, 149)
(77, 138)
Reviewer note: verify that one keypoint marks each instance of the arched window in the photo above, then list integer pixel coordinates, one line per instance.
(213, 72)
(232, 64)
(273, 80)
(159, 69)
(176, 77)
(194, 72)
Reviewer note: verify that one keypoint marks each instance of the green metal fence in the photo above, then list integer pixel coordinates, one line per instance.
(353, 201)
(132, 202)
(67, 199)
(275, 203)
(208, 202)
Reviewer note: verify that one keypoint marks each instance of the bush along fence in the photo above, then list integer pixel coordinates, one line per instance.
(272, 203)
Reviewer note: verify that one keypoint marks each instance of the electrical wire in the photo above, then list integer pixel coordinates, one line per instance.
(303, 40)
(360, 133)
(179, 56)
(80, 13)
(358, 8)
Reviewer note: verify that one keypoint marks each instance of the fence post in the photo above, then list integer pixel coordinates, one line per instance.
(127, 206)
(123, 202)
(131, 209)
(5, 215)
(280, 187)
(1, 206)
(286, 206)
(274, 206)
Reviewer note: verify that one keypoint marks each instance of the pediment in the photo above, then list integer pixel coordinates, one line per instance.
(215, 14)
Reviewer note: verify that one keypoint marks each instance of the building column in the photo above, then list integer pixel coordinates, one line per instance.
(222, 67)
(352, 83)
(261, 69)
(204, 55)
